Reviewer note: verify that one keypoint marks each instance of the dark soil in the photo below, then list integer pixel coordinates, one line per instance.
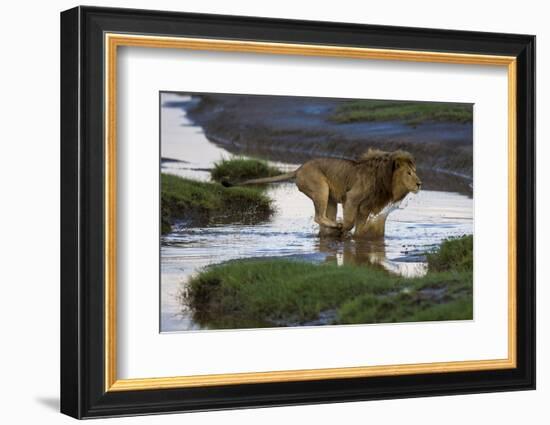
(295, 129)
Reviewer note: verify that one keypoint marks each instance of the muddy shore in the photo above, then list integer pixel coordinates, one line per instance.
(283, 128)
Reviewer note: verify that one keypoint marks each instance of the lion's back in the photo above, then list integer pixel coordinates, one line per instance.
(336, 172)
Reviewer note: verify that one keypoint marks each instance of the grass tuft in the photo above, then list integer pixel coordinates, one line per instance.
(202, 203)
(453, 254)
(239, 169)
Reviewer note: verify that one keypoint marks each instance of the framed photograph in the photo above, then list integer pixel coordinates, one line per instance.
(261, 212)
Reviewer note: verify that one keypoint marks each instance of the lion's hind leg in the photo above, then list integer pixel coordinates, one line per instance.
(332, 208)
(320, 201)
(319, 194)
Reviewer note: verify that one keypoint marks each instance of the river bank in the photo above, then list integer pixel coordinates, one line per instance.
(196, 203)
(279, 127)
(283, 292)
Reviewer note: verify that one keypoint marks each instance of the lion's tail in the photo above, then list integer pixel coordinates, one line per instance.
(279, 178)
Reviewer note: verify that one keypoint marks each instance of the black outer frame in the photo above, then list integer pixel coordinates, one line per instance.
(82, 206)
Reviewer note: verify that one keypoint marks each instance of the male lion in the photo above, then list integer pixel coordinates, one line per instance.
(364, 187)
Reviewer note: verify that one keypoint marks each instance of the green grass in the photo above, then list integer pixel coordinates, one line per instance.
(453, 254)
(442, 296)
(280, 292)
(202, 203)
(413, 113)
(240, 169)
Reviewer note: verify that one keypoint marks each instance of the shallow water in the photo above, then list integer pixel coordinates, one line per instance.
(417, 225)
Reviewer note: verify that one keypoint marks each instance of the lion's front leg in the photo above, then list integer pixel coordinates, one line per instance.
(351, 207)
(370, 227)
(361, 221)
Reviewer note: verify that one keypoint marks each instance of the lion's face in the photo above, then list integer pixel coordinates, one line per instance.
(405, 179)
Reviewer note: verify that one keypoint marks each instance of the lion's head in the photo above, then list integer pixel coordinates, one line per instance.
(404, 179)
(395, 172)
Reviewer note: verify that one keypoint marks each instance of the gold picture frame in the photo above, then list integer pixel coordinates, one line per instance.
(114, 41)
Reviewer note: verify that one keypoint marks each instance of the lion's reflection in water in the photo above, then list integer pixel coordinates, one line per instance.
(371, 253)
